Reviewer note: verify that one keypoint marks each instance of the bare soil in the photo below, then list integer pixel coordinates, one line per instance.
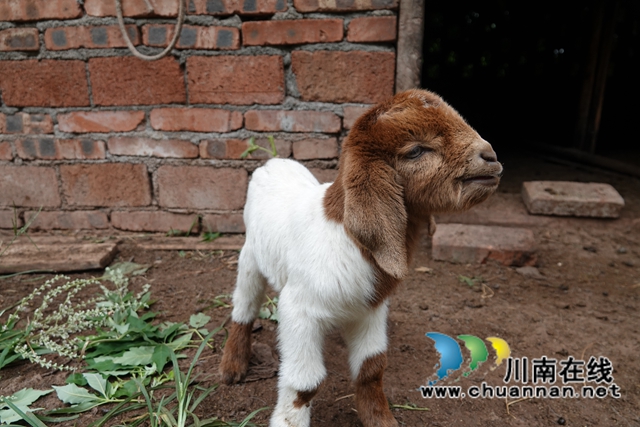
(586, 303)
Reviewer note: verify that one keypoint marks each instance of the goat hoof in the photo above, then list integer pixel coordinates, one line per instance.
(232, 372)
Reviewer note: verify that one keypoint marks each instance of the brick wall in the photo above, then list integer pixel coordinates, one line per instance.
(100, 139)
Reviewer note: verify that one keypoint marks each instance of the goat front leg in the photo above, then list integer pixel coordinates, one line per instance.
(367, 342)
(301, 366)
(247, 298)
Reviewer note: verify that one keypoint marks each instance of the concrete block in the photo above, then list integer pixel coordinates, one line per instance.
(460, 243)
(565, 198)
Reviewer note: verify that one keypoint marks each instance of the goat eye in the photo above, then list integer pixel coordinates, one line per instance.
(416, 152)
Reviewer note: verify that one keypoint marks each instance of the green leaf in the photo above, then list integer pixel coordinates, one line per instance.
(199, 320)
(72, 394)
(265, 313)
(161, 355)
(16, 413)
(180, 343)
(77, 379)
(126, 268)
(25, 397)
(136, 356)
(98, 383)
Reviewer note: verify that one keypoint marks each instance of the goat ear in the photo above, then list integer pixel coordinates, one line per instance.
(374, 212)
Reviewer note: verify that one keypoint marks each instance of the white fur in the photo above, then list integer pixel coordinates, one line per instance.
(323, 280)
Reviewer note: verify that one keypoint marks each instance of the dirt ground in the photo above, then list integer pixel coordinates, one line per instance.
(586, 303)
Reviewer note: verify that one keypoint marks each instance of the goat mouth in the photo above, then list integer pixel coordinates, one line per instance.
(486, 180)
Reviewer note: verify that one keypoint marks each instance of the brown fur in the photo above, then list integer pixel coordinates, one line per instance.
(237, 352)
(304, 397)
(383, 197)
(371, 403)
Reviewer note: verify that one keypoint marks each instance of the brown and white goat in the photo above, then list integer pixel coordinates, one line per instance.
(335, 252)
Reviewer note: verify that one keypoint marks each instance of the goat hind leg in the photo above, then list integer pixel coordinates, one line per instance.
(247, 298)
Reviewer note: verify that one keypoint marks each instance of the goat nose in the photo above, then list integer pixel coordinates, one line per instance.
(489, 156)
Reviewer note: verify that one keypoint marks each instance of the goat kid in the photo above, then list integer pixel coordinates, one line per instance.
(335, 252)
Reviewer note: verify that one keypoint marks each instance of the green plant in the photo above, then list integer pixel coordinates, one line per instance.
(470, 281)
(269, 309)
(253, 147)
(209, 236)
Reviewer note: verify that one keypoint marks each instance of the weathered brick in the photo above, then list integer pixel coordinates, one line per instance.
(200, 187)
(351, 114)
(342, 5)
(332, 76)
(372, 29)
(46, 83)
(19, 39)
(154, 221)
(106, 184)
(196, 119)
(193, 37)
(565, 198)
(141, 146)
(102, 37)
(48, 148)
(233, 148)
(68, 220)
(28, 186)
(315, 148)
(240, 80)
(8, 219)
(25, 123)
(223, 223)
(5, 151)
(100, 121)
(130, 81)
(134, 8)
(480, 243)
(292, 121)
(260, 33)
(324, 175)
(34, 10)
(239, 7)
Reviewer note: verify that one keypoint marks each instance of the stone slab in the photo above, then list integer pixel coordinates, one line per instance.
(461, 243)
(191, 243)
(57, 255)
(566, 198)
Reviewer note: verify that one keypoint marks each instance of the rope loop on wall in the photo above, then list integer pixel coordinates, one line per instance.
(132, 48)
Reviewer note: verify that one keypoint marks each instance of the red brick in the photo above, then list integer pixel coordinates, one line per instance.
(240, 80)
(292, 121)
(5, 151)
(260, 33)
(140, 146)
(315, 148)
(342, 5)
(566, 198)
(19, 39)
(199, 187)
(9, 220)
(68, 220)
(102, 37)
(324, 175)
(130, 81)
(193, 37)
(233, 148)
(28, 186)
(355, 76)
(372, 29)
(351, 114)
(34, 10)
(239, 7)
(196, 119)
(48, 148)
(154, 221)
(461, 243)
(106, 184)
(100, 121)
(24, 123)
(135, 8)
(46, 83)
(223, 223)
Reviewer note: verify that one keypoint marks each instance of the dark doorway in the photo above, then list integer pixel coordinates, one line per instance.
(515, 69)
